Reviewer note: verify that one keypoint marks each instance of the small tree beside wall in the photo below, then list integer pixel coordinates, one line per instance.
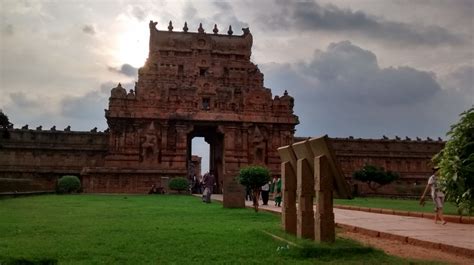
(254, 177)
(375, 177)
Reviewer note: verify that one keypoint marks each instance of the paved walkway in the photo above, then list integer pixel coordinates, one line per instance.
(452, 237)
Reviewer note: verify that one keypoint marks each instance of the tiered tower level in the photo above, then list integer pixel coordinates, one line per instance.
(196, 84)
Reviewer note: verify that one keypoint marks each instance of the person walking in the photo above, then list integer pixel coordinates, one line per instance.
(278, 192)
(436, 194)
(265, 192)
(208, 181)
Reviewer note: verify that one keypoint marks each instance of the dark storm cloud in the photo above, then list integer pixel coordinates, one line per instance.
(125, 69)
(343, 91)
(310, 16)
(88, 29)
(351, 72)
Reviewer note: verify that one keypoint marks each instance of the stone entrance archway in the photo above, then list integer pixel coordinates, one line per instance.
(215, 139)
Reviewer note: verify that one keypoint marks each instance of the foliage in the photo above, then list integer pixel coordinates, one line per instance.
(142, 229)
(179, 184)
(68, 184)
(5, 124)
(374, 176)
(456, 163)
(254, 177)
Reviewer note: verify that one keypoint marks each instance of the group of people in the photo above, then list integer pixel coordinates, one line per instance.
(270, 189)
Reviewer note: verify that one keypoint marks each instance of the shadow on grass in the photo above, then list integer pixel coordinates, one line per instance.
(24, 261)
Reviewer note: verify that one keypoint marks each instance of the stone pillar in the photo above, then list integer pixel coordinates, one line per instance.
(324, 229)
(288, 212)
(234, 194)
(305, 191)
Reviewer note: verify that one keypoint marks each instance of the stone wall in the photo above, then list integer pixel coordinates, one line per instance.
(410, 158)
(32, 160)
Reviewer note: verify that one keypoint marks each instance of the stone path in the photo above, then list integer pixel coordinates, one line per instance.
(452, 237)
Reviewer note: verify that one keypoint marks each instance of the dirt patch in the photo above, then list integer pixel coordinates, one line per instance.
(404, 250)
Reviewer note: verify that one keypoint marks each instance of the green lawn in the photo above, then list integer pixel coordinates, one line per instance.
(397, 204)
(161, 229)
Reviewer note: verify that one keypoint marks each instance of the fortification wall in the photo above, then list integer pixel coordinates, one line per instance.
(410, 158)
(32, 160)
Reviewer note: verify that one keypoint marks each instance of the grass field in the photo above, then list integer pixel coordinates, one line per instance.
(397, 204)
(162, 229)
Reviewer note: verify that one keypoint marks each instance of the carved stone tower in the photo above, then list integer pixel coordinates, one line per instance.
(193, 85)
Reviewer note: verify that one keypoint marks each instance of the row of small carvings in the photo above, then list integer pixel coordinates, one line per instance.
(53, 129)
(396, 139)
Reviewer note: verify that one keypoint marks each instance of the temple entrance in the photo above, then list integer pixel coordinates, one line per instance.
(215, 139)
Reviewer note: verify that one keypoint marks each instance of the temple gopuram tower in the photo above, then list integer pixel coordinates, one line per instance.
(193, 84)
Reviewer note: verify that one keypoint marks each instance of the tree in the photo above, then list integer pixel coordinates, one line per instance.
(375, 177)
(254, 177)
(456, 163)
(5, 124)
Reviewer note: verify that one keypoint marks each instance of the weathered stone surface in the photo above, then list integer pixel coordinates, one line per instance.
(196, 85)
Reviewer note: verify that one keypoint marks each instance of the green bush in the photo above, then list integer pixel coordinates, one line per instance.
(375, 176)
(254, 177)
(456, 163)
(179, 184)
(68, 184)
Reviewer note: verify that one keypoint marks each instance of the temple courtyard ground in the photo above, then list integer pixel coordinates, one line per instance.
(160, 229)
(403, 236)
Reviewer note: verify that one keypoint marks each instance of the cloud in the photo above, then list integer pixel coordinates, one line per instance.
(351, 72)
(343, 91)
(21, 100)
(88, 29)
(8, 30)
(138, 13)
(125, 69)
(310, 16)
(226, 15)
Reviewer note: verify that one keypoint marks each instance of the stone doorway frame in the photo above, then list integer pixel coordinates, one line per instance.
(214, 136)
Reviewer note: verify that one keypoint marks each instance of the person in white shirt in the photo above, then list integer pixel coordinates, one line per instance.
(436, 194)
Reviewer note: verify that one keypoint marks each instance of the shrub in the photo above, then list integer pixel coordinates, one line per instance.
(254, 177)
(374, 176)
(179, 184)
(68, 184)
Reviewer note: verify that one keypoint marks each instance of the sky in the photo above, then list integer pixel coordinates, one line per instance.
(364, 68)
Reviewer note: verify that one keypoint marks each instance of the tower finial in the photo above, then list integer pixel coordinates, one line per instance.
(185, 28)
(170, 26)
(230, 32)
(215, 30)
(200, 29)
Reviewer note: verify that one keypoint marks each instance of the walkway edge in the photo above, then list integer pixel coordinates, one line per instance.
(450, 218)
(408, 240)
(404, 239)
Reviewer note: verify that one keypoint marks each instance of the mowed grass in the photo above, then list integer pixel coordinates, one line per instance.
(162, 229)
(398, 204)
